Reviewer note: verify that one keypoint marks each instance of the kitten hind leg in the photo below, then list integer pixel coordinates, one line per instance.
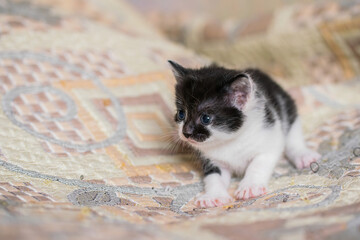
(296, 150)
(216, 193)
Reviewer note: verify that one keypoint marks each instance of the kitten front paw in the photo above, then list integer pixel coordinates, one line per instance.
(304, 159)
(246, 191)
(207, 200)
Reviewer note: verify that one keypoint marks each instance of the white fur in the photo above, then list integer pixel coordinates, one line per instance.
(296, 150)
(252, 151)
(215, 190)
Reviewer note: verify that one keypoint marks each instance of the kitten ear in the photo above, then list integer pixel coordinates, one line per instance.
(178, 70)
(241, 90)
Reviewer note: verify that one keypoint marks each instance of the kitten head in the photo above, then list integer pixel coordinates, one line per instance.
(211, 102)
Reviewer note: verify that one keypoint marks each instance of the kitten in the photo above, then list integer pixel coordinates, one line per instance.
(240, 122)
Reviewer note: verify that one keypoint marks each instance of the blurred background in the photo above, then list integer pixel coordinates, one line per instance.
(298, 41)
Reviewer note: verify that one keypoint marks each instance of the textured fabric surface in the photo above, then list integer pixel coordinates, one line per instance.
(86, 138)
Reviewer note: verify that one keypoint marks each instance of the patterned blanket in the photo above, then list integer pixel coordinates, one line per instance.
(86, 126)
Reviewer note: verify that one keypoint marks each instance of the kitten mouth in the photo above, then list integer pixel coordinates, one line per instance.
(195, 141)
(189, 140)
(192, 141)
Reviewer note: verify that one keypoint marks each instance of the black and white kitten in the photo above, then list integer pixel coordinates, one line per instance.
(241, 122)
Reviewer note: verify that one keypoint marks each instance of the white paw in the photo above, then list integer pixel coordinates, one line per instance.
(207, 200)
(304, 159)
(246, 191)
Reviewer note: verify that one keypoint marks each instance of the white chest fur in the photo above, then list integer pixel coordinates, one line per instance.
(234, 152)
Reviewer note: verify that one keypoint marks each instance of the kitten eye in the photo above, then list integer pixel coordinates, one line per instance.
(181, 115)
(205, 119)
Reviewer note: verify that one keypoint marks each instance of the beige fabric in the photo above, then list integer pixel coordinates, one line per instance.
(86, 150)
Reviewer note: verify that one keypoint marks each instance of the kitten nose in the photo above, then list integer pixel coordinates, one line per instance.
(188, 130)
(187, 135)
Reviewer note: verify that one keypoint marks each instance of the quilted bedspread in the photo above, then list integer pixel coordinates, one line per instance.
(86, 125)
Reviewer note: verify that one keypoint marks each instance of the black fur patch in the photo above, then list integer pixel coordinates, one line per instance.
(274, 94)
(197, 132)
(229, 119)
(269, 116)
(208, 168)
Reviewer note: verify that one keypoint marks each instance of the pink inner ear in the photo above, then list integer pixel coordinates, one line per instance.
(239, 99)
(240, 90)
